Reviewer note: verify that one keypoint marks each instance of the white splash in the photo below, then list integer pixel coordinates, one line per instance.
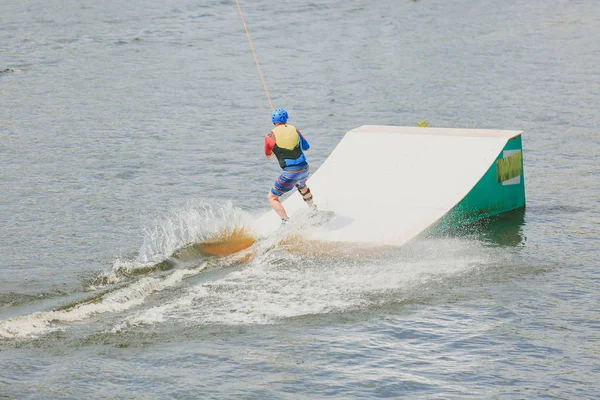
(189, 225)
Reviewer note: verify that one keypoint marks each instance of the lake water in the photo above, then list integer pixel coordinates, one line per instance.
(129, 129)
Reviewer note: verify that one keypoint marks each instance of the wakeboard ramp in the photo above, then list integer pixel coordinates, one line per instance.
(385, 185)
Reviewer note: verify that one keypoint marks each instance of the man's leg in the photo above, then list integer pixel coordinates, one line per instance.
(277, 206)
(306, 194)
(282, 185)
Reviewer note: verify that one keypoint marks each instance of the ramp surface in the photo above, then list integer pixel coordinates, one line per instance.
(388, 184)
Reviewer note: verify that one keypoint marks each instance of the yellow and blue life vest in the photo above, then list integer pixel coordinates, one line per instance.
(288, 149)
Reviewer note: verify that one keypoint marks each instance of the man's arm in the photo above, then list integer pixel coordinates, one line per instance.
(269, 144)
(303, 142)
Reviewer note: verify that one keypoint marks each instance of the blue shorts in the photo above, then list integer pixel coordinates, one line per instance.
(288, 179)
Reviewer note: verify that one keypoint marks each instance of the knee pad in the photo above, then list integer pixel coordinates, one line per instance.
(307, 199)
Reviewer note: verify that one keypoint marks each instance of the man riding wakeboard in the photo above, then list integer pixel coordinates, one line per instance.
(287, 144)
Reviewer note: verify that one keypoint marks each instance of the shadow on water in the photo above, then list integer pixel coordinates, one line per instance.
(504, 229)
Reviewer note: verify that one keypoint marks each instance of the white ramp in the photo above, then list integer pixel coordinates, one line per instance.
(388, 184)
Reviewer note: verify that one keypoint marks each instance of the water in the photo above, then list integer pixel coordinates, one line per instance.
(128, 130)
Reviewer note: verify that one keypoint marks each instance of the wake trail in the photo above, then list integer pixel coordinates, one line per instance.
(160, 264)
(119, 300)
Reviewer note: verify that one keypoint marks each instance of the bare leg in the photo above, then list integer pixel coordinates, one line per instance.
(277, 206)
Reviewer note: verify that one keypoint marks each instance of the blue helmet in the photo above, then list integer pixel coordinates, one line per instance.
(279, 115)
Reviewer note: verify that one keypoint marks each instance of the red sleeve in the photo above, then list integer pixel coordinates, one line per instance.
(269, 144)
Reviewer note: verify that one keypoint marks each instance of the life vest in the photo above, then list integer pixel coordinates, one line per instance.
(287, 145)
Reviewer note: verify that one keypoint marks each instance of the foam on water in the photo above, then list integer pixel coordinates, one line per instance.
(117, 301)
(278, 285)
